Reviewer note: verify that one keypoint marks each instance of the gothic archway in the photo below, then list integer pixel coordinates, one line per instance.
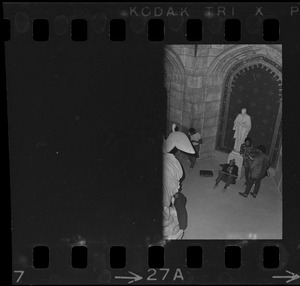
(233, 53)
(254, 83)
(174, 72)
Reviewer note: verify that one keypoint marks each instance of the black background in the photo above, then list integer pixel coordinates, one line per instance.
(84, 123)
(107, 173)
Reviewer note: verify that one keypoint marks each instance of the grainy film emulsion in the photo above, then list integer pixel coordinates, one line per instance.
(153, 143)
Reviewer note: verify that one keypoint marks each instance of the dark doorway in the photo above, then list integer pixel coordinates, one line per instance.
(257, 87)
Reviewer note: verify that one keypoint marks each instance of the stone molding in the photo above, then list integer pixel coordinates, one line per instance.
(228, 58)
(202, 80)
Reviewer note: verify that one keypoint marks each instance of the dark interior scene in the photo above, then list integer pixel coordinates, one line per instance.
(224, 102)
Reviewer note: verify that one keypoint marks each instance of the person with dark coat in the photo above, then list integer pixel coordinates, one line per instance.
(258, 170)
(228, 174)
(248, 153)
(196, 141)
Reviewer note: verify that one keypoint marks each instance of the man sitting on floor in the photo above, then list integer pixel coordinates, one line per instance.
(228, 174)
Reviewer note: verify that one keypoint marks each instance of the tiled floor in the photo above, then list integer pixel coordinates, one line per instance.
(216, 215)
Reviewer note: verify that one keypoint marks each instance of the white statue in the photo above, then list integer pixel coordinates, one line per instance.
(242, 126)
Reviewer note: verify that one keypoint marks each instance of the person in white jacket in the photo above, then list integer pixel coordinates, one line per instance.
(172, 173)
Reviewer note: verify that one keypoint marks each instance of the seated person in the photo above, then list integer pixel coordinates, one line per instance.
(228, 174)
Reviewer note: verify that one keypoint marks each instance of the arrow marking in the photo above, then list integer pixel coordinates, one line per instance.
(293, 276)
(133, 278)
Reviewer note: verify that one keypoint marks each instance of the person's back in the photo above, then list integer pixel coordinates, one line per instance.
(259, 166)
(258, 169)
(266, 164)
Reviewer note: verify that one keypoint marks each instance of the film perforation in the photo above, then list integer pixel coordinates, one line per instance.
(41, 257)
(271, 257)
(194, 30)
(146, 142)
(79, 30)
(156, 257)
(156, 30)
(117, 30)
(40, 30)
(118, 257)
(79, 257)
(194, 256)
(233, 29)
(271, 30)
(233, 256)
(6, 29)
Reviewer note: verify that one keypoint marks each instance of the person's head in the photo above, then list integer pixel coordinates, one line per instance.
(261, 148)
(175, 127)
(232, 162)
(192, 131)
(244, 111)
(248, 141)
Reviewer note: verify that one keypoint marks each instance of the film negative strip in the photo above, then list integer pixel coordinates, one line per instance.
(145, 142)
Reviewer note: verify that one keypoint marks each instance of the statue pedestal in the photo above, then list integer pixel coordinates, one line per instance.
(238, 161)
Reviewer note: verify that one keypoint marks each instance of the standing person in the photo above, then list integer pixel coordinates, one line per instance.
(248, 153)
(196, 140)
(258, 170)
(228, 174)
(174, 214)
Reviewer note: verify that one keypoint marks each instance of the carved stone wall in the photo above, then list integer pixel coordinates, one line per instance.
(174, 84)
(196, 84)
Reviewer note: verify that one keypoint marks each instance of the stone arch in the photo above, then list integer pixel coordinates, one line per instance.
(233, 60)
(174, 73)
(173, 63)
(235, 54)
(253, 61)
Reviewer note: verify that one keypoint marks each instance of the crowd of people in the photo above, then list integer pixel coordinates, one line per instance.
(255, 166)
